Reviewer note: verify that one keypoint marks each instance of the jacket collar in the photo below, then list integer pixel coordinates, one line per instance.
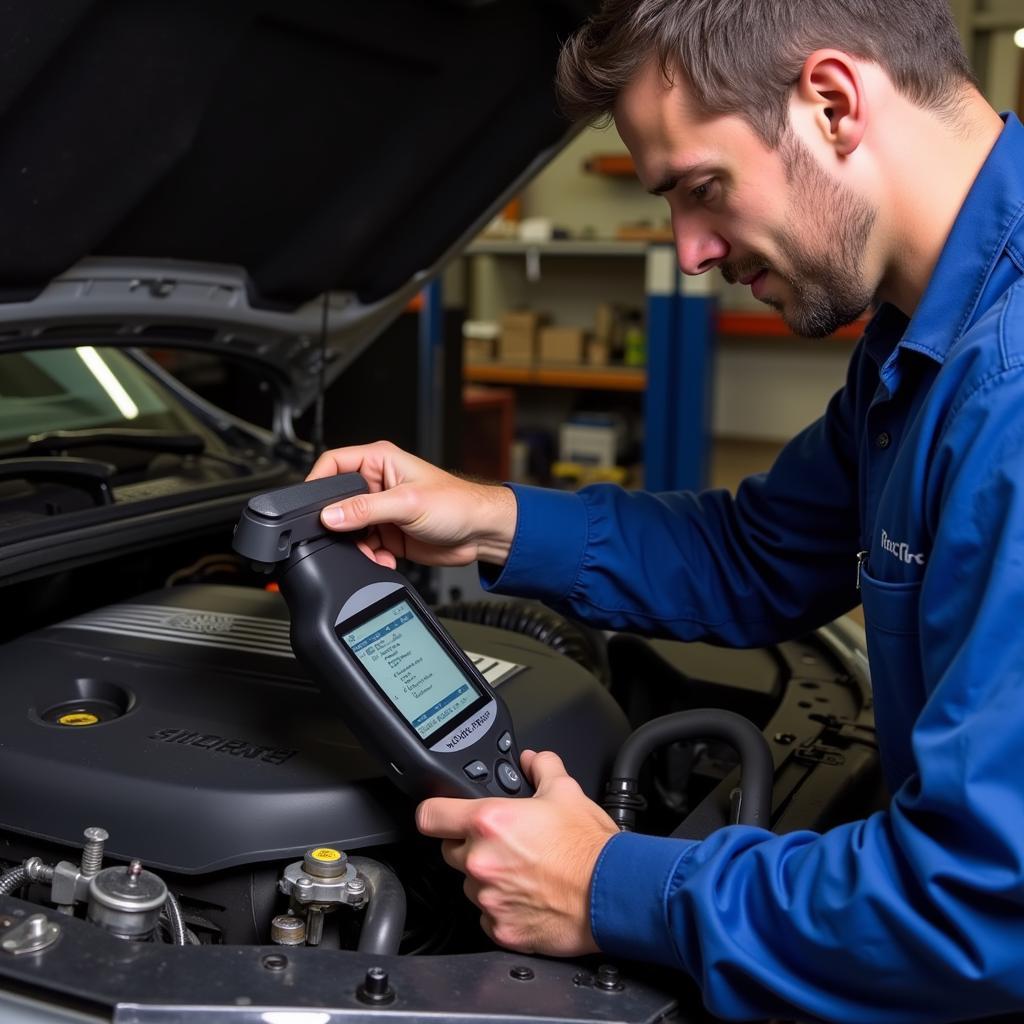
(992, 211)
(985, 224)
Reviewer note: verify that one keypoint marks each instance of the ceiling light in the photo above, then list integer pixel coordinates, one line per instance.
(106, 379)
(1018, 37)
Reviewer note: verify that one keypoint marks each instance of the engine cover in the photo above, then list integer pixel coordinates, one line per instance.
(182, 723)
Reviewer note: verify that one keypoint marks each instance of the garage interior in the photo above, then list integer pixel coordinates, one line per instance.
(556, 343)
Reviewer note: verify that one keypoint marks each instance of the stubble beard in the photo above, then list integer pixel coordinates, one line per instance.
(826, 278)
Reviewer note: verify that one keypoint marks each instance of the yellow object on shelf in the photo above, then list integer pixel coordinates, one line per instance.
(579, 474)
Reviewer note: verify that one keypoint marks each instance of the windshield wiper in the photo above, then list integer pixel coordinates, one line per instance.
(111, 437)
(56, 442)
(89, 475)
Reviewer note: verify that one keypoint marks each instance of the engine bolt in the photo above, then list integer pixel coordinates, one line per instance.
(36, 870)
(608, 979)
(288, 930)
(92, 852)
(375, 988)
(521, 973)
(275, 962)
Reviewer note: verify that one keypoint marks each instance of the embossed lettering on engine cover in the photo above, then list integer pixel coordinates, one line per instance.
(224, 745)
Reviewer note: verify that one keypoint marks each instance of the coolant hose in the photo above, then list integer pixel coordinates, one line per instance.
(13, 879)
(384, 923)
(757, 769)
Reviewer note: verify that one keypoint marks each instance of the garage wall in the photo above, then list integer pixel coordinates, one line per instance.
(764, 388)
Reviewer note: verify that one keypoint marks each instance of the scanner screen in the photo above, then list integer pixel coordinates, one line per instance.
(410, 667)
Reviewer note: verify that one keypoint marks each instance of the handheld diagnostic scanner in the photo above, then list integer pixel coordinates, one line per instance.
(406, 689)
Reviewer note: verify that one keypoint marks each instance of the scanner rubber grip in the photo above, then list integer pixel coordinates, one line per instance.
(275, 521)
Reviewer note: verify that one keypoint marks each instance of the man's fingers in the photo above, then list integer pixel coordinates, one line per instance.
(340, 460)
(543, 767)
(454, 851)
(379, 554)
(445, 817)
(391, 506)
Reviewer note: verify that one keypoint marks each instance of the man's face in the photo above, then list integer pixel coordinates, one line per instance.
(773, 220)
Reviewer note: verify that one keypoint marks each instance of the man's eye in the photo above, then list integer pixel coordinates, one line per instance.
(703, 192)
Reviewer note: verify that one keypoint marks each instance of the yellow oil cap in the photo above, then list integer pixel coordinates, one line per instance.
(325, 853)
(325, 862)
(78, 718)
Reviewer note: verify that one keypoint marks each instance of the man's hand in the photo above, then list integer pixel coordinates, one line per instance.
(415, 510)
(527, 863)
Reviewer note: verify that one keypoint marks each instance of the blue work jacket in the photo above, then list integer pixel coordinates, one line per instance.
(917, 913)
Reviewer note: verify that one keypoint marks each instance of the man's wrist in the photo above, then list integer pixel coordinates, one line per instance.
(498, 511)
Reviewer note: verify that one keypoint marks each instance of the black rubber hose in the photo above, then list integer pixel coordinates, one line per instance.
(584, 646)
(757, 769)
(384, 923)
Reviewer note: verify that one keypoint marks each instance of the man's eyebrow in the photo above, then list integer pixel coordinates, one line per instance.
(676, 175)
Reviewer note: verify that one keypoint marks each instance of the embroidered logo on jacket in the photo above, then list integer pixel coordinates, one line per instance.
(900, 550)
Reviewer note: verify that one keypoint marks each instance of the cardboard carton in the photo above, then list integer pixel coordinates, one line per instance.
(518, 340)
(562, 345)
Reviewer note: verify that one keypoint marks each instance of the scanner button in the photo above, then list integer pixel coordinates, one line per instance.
(476, 770)
(508, 778)
(505, 742)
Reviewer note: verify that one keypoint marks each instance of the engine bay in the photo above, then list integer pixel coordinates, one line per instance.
(177, 785)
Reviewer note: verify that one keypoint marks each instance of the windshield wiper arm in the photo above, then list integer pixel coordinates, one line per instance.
(112, 437)
(88, 475)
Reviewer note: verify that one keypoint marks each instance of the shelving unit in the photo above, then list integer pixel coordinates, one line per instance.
(615, 378)
(558, 247)
(684, 322)
(771, 325)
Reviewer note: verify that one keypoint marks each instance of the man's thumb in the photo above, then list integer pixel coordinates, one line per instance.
(365, 510)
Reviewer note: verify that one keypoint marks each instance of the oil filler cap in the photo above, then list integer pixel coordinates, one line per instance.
(325, 862)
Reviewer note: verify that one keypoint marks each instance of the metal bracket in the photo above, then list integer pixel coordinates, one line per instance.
(69, 885)
(32, 935)
(819, 753)
(848, 729)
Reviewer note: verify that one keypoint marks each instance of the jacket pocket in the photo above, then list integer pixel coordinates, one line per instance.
(890, 607)
(891, 618)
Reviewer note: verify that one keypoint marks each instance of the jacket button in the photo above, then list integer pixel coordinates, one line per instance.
(883, 440)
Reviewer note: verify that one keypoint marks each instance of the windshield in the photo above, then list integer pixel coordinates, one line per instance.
(82, 388)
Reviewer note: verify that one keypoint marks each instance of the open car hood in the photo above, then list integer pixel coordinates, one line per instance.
(201, 173)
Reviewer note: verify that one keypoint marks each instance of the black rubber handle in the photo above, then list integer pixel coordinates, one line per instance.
(274, 522)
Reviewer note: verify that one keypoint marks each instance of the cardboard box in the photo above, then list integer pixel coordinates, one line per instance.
(606, 322)
(479, 341)
(562, 345)
(477, 350)
(599, 353)
(518, 340)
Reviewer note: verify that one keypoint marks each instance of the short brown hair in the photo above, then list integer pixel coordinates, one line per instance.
(744, 56)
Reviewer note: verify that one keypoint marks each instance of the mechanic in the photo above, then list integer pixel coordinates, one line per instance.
(835, 155)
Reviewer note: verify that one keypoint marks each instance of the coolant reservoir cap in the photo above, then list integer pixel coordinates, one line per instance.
(325, 862)
(125, 889)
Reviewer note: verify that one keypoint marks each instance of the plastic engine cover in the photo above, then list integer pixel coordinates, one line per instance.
(181, 722)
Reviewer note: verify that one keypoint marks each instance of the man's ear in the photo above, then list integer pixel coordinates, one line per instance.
(831, 89)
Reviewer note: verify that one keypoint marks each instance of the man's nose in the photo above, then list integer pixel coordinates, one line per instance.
(699, 249)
